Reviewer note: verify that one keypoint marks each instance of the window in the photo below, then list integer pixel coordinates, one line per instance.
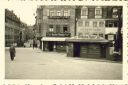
(98, 11)
(101, 24)
(84, 12)
(51, 13)
(51, 28)
(58, 29)
(104, 12)
(94, 24)
(101, 35)
(65, 29)
(80, 23)
(86, 24)
(115, 15)
(58, 13)
(91, 12)
(111, 23)
(66, 13)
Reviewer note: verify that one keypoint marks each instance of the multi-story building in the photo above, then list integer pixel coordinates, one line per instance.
(12, 27)
(15, 29)
(102, 21)
(56, 21)
(97, 20)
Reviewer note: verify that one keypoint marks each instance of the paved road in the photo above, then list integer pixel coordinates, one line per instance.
(35, 64)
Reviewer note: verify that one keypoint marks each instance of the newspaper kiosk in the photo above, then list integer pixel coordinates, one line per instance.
(88, 47)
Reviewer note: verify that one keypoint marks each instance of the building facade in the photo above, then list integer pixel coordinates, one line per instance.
(97, 20)
(55, 21)
(15, 29)
(85, 29)
(12, 28)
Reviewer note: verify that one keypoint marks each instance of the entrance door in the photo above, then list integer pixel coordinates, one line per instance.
(50, 46)
(76, 50)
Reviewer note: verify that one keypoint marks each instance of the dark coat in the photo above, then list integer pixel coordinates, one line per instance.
(12, 51)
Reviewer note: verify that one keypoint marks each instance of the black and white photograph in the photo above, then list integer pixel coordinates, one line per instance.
(64, 42)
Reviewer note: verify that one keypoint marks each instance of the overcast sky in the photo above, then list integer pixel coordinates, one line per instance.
(25, 12)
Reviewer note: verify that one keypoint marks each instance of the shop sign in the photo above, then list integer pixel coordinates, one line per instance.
(90, 37)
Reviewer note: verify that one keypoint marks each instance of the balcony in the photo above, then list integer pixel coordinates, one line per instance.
(50, 34)
(58, 17)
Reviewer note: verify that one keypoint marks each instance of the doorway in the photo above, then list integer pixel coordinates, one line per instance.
(76, 50)
(50, 46)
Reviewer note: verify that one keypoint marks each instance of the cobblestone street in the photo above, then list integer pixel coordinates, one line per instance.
(36, 64)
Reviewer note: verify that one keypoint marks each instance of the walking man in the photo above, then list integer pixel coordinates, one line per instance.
(12, 52)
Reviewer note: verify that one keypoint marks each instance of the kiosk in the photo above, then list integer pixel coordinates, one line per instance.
(89, 48)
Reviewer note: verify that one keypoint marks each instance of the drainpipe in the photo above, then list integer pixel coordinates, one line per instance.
(75, 24)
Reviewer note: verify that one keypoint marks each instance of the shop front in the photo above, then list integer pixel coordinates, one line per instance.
(54, 44)
(88, 48)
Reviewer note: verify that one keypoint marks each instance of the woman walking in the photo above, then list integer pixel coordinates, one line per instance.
(12, 52)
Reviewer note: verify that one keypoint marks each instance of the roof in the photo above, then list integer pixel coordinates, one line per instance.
(11, 15)
(87, 40)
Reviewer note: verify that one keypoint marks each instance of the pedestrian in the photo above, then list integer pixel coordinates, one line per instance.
(34, 44)
(12, 52)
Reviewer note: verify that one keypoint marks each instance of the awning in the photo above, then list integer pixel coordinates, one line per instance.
(53, 39)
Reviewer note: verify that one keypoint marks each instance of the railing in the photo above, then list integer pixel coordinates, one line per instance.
(58, 17)
(49, 34)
